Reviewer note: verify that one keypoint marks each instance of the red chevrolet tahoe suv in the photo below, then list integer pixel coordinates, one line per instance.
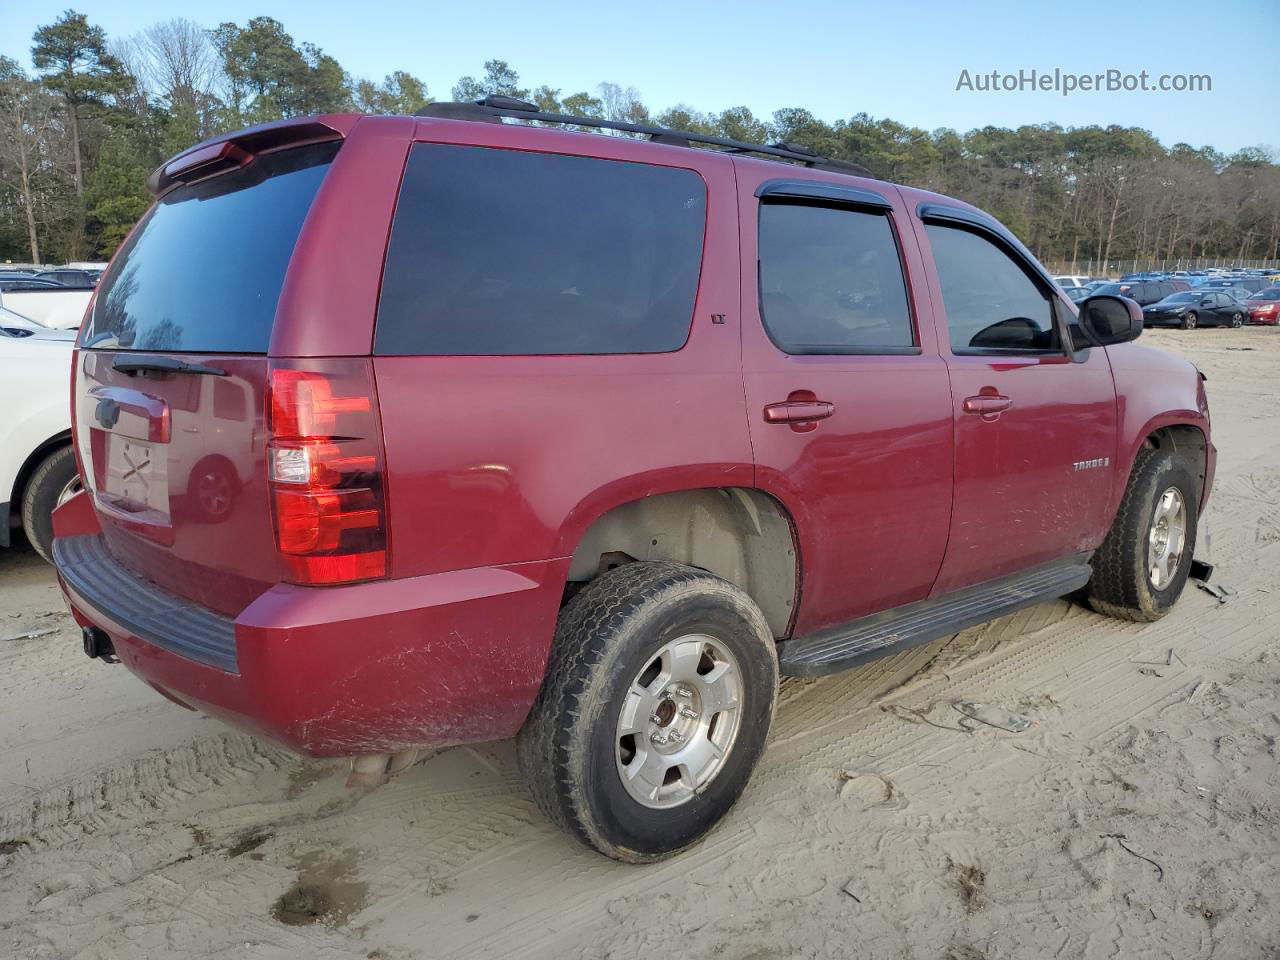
(403, 432)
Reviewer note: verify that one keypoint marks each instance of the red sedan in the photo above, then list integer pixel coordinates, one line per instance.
(1264, 306)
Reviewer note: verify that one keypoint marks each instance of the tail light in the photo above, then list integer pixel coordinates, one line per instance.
(326, 469)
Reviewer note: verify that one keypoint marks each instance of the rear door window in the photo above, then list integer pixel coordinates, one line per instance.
(203, 270)
(831, 281)
(506, 252)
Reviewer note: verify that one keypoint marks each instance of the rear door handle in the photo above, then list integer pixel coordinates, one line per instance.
(798, 411)
(987, 404)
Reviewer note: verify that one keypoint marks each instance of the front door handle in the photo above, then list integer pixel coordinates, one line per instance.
(988, 405)
(798, 411)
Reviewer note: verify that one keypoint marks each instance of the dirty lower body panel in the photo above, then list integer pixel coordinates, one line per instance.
(373, 668)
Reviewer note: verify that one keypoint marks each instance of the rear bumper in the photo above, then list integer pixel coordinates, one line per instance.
(447, 658)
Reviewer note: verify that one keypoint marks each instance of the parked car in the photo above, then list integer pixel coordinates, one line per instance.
(1071, 280)
(1144, 292)
(16, 283)
(1241, 287)
(50, 304)
(37, 464)
(1196, 308)
(14, 324)
(1231, 290)
(1264, 306)
(79, 279)
(584, 440)
(1076, 293)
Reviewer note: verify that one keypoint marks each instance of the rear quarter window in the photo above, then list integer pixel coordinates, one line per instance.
(203, 270)
(505, 253)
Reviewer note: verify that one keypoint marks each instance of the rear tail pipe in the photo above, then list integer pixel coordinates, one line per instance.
(98, 646)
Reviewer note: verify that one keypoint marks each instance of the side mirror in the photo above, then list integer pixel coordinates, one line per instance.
(1106, 319)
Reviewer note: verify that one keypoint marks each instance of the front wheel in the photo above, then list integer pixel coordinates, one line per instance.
(657, 701)
(1189, 321)
(1142, 566)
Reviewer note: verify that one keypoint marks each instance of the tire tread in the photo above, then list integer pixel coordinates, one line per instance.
(39, 497)
(1116, 588)
(561, 715)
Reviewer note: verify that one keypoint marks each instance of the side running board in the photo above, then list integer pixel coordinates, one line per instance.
(850, 644)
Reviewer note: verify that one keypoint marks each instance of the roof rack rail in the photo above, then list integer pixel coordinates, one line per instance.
(494, 107)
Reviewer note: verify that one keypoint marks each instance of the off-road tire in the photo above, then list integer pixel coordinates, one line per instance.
(40, 496)
(1120, 586)
(604, 637)
(1189, 320)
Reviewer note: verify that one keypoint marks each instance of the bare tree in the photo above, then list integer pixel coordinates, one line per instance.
(622, 104)
(180, 64)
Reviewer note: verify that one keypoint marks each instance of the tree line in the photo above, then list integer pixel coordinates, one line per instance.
(79, 137)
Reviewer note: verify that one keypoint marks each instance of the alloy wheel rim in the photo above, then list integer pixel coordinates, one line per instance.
(72, 487)
(678, 722)
(214, 493)
(1166, 538)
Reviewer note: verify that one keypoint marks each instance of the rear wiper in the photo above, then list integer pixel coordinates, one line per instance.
(163, 365)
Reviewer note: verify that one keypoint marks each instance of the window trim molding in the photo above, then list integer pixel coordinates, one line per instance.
(822, 190)
(946, 215)
(769, 198)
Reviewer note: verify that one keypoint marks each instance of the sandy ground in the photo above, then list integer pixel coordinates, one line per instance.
(1138, 817)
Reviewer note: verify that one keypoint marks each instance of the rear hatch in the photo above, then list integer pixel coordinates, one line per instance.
(171, 390)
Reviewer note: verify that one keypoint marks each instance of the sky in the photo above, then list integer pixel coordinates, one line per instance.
(901, 59)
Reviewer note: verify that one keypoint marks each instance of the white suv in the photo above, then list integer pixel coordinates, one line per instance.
(37, 466)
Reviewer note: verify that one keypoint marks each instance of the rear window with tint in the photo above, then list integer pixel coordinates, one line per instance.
(503, 252)
(203, 271)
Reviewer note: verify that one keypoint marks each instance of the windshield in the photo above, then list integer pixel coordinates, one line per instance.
(203, 271)
(1181, 298)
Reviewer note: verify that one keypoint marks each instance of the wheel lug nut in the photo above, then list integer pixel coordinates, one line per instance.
(689, 713)
(676, 737)
(654, 718)
(684, 692)
(657, 738)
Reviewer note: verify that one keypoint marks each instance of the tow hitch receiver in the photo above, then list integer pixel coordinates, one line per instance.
(97, 645)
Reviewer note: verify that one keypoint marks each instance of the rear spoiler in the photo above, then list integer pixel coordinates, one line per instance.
(231, 151)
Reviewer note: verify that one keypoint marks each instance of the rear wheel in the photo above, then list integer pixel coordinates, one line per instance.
(1142, 566)
(54, 482)
(1189, 320)
(658, 697)
(1237, 320)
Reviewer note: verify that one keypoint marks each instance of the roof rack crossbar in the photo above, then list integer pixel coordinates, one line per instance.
(498, 107)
